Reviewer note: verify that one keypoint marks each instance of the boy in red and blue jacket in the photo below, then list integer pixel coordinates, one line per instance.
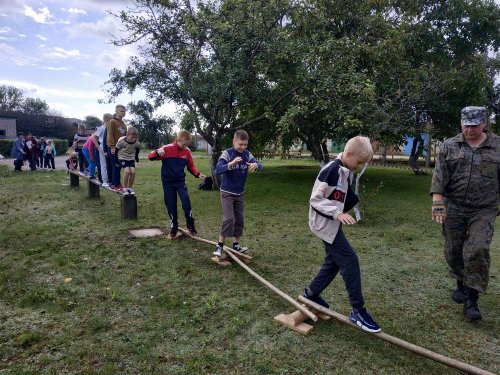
(175, 157)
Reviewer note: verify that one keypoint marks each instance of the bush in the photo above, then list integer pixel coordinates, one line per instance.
(6, 146)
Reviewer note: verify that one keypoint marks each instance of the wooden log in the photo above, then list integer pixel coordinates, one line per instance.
(129, 206)
(399, 342)
(257, 276)
(93, 190)
(74, 179)
(295, 321)
(237, 253)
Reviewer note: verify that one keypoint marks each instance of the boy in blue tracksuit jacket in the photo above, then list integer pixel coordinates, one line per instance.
(234, 165)
(331, 199)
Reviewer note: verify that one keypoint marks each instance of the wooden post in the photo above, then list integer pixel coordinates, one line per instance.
(93, 190)
(74, 180)
(399, 342)
(129, 207)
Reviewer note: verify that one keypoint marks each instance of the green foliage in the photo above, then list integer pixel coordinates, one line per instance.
(34, 106)
(152, 129)
(92, 122)
(11, 98)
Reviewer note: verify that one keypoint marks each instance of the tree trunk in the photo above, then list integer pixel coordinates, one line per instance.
(326, 155)
(384, 155)
(216, 152)
(428, 154)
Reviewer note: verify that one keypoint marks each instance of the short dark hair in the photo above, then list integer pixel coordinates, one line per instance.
(19, 134)
(241, 134)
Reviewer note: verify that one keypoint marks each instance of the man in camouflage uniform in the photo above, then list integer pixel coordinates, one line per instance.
(465, 197)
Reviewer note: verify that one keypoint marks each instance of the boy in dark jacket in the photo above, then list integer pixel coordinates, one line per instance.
(331, 199)
(175, 157)
(234, 165)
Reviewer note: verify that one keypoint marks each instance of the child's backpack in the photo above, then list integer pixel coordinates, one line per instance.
(207, 184)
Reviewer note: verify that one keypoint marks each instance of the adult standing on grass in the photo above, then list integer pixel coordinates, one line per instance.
(116, 129)
(465, 197)
(18, 152)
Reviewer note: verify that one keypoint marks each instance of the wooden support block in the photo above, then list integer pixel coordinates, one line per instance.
(74, 180)
(295, 321)
(221, 262)
(93, 190)
(129, 207)
(179, 234)
(321, 315)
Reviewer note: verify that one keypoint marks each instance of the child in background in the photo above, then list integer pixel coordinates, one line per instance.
(78, 141)
(234, 165)
(174, 158)
(41, 151)
(128, 150)
(91, 152)
(72, 162)
(330, 200)
(48, 155)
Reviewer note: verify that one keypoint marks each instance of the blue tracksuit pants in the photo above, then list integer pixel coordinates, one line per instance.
(170, 192)
(340, 256)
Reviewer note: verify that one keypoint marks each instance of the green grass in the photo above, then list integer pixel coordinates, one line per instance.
(144, 306)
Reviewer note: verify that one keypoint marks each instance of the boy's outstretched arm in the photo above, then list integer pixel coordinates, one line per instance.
(253, 164)
(192, 168)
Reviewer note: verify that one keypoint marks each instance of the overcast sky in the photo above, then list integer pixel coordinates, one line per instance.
(60, 51)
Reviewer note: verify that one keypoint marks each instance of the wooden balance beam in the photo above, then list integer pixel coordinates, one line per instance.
(235, 258)
(128, 202)
(450, 362)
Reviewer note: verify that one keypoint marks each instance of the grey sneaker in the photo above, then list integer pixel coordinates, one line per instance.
(219, 252)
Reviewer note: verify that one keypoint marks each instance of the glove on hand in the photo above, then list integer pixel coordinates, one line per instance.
(438, 212)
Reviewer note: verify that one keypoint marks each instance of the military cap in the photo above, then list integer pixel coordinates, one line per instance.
(473, 116)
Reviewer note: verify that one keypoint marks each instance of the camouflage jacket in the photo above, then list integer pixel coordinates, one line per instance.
(468, 176)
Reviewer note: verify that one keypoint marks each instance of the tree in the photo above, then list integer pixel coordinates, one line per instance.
(151, 128)
(11, 98)
(210, 58)
(34, 106)
(92, 122)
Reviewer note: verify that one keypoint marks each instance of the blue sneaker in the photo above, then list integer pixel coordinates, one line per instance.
(364, 320)
(315, 298)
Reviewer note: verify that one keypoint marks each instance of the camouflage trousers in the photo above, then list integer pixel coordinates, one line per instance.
(468, 233)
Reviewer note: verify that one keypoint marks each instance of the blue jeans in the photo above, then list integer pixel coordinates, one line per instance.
(170, 196)
(340, 256)
(92, 163)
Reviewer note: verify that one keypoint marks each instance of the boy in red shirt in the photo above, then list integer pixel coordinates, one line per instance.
(175, 157)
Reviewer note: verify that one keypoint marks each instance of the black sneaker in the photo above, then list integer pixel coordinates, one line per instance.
(240, 249)
(192, 230)
(315, 298)
(460, 294)
(364, 320)
(471, 309)
(173, 233)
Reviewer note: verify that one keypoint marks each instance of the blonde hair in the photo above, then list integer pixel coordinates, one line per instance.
(106, 117)
(120, 106)
(361, 146)
(131, 130)
(184, 135)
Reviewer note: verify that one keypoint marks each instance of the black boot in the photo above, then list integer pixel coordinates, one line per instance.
(460, 294)
(471, 310)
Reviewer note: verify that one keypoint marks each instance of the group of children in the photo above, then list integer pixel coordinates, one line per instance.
(111, 148)
(331, 199)
(38, 154)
